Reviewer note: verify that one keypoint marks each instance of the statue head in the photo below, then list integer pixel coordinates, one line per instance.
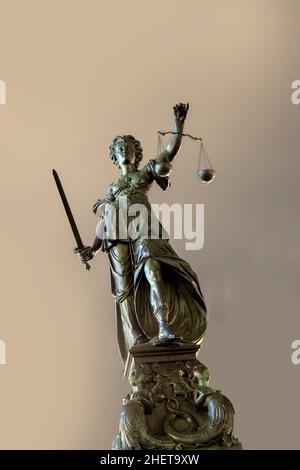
(125, 149)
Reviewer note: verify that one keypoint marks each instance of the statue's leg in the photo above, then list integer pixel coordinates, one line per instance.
(158, 297)
(121, 268)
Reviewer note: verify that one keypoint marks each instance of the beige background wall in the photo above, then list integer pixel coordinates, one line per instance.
(77, 74)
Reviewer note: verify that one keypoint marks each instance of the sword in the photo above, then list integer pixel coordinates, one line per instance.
(69, 214)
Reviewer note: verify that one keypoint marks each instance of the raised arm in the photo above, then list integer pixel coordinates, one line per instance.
(174, 142)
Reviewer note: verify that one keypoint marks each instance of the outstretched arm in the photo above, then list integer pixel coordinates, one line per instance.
(174, 142)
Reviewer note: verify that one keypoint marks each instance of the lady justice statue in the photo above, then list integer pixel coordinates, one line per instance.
(157, 293)
(161, 313)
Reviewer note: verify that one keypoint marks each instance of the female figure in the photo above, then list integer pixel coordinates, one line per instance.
(157, 293)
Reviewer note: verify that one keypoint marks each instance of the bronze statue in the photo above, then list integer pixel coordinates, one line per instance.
(161, 313)
(157, 293)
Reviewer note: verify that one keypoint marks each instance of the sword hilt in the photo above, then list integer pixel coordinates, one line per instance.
(77, 250)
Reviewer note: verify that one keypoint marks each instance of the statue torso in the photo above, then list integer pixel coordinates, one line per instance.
(134, 186)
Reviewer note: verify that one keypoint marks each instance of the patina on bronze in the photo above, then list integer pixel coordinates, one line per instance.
(171, 405)
(157, 293)
(161, 316)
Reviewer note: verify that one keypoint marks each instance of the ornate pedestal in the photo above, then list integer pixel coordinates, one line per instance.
(171, 405)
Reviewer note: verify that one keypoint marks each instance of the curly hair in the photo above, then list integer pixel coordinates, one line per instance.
(136, 143)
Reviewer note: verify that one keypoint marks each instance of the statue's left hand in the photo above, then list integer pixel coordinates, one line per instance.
(180, 112)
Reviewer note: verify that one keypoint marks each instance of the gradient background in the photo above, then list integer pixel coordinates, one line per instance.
(77, 74)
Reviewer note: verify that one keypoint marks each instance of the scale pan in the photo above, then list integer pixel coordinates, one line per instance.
(206, 175)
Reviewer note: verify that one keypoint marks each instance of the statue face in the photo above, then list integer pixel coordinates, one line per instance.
(125, 152)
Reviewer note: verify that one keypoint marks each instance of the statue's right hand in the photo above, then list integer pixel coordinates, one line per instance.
(85, 253)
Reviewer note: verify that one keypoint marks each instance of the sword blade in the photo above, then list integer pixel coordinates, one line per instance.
(68, 212)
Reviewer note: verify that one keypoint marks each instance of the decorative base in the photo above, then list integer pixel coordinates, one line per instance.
(171, 405)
